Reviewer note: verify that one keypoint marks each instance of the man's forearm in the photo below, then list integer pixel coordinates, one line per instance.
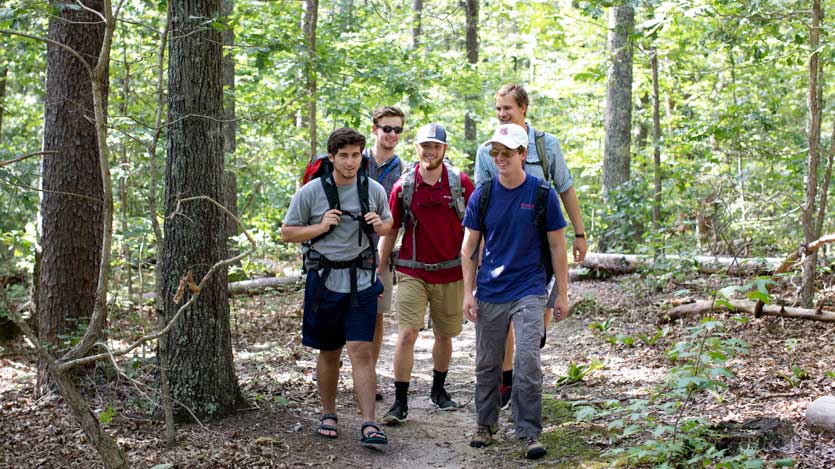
(572, 208)
(300, 234)
(386, 246)
(559, 260)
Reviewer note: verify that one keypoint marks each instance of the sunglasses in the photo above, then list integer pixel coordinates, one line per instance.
(389, 129)
(507, 153)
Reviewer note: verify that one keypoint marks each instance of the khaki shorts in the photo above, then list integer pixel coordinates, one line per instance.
(444, 304)
(384, 301)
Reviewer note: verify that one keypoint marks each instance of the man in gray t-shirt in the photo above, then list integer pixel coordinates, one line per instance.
(340, 297)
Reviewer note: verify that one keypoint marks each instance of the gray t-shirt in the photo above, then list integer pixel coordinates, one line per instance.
(308, 206)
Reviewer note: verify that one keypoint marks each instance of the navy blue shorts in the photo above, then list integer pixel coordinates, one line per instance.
(336, 321)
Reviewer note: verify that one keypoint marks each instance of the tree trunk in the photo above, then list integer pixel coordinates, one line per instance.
(230, 127)
(656, 141)
(311, 16)
(71, 201)
(472, 59)
(417, 9)
(124, 192)
(807, 292)
(202, 373)
(618, 113)
(4, 71)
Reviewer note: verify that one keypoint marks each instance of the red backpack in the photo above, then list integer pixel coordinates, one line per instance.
(322, 166)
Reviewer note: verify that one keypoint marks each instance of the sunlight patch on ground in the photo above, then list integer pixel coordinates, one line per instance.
(14, 375)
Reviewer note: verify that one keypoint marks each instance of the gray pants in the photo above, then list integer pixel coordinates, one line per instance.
(491, 333)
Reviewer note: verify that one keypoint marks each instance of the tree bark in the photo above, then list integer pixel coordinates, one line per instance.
(124, 190)
(656, 141)
(202, 373)
(472, 58)
(311, 16)
(71, 202)
(4, 71)
(618, 114)
(417, 22)
(745, 306)
(807, 291)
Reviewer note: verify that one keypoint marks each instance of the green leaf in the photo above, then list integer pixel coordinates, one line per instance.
(107, 416)
(282, 401)
(163, 466)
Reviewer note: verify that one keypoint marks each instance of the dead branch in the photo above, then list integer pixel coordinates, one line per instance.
(28, 155)
(802, 251)
(745, 306)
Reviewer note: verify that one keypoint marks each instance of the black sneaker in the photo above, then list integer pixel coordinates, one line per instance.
(534, 449)
(443, 401)
(398, 413)
(506, 393)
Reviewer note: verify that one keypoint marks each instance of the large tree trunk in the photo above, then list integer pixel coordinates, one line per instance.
(807, 292)
(230, 127)
(618, 114)
(72, 197)
(202, 373)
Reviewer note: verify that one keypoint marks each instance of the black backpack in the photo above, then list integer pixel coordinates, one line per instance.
(540, 204)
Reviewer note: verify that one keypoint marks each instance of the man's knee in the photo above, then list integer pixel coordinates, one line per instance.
(407, 337)
(360, 352)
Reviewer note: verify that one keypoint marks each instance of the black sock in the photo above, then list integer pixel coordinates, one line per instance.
(401, 390)
(507, 377)
(438, 380)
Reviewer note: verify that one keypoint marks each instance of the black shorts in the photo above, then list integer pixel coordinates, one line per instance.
(335, 321)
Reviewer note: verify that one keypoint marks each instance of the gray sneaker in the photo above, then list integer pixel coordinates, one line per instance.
(443, 400)
(534, 449)
(483, 436)
(398, 413)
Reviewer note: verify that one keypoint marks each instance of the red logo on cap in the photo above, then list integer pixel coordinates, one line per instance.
(503, 131)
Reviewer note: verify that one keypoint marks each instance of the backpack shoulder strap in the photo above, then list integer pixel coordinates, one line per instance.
(539, 139)
(407, 192)
(456, 190)
(332, 194)
(483, 201)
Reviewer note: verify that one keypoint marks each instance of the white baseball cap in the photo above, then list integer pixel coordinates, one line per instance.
(510, 135)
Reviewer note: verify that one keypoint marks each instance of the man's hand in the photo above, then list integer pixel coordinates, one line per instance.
(470, 307)
(579, 249)
(373, 219)
(331, 218)
(561, 308)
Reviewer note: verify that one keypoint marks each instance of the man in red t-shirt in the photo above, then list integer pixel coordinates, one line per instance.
(429, 264)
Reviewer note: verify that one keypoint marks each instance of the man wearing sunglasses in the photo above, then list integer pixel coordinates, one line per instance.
(427, 202)
(511, 284)
(384, 166)
(511, 108)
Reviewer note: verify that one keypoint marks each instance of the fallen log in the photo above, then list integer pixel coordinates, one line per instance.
(627, 263)
(709, 306)
(249, 286)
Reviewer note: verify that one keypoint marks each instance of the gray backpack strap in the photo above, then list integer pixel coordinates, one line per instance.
(539, 139)
(456, 190)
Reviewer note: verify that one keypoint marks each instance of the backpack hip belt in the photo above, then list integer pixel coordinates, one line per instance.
(314, 260)
(412, 264)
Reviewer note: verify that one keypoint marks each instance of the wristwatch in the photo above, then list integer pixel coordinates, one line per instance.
(579, 235)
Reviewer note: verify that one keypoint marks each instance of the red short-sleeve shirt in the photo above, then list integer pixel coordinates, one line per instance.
(438, 232)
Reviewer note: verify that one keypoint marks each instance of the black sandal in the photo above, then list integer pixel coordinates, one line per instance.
(375, 439)
(323, 427)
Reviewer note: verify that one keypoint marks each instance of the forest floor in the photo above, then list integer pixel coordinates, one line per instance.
(276, 375)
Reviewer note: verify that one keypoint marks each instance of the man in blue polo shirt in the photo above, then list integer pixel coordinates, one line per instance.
(511, 286)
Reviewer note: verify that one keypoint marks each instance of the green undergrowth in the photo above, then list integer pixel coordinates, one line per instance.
(570, 443)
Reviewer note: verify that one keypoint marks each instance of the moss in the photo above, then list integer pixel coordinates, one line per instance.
(566, 439)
